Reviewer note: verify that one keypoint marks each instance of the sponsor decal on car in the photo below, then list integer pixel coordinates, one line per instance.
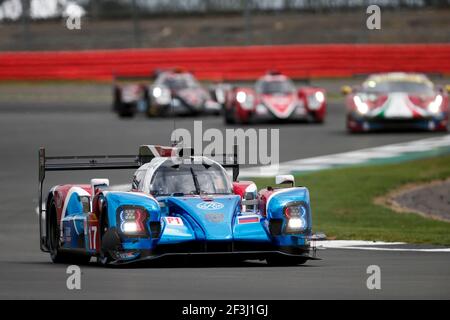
(214, 217)
(210, 205)
(175, 221)
(249, 219)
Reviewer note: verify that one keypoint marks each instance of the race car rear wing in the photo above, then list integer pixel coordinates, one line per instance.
(113, 162)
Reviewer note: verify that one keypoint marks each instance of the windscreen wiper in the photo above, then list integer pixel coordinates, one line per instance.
(197, 185)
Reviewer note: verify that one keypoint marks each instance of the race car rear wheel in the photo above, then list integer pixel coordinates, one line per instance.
(56, 254)
(285, 261)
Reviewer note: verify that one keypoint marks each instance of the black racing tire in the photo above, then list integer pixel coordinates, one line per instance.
(53, 235)
(285, 261)
(117, 99)
(56, 254)
(125, 110)
(104, 258)
(229, 116)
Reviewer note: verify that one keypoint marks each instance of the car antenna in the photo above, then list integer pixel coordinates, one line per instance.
(174, 123)
(176, 143)
(173, 141)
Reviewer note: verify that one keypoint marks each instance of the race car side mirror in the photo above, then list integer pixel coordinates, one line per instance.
(95, 183)
(346, 90)
(284, 179)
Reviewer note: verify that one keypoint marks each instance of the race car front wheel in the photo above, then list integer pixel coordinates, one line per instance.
(104, 257)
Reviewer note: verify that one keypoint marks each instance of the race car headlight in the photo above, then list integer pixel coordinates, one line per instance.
(157, 92)
(246, 100)
(361, 106)
(241, 96)
(129, 227)
(435, 105)
(295, 215)
(295, 224)
(161, 95)
(315, 100)
(132, 220)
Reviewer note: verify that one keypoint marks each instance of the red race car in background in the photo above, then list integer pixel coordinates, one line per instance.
(274, 98)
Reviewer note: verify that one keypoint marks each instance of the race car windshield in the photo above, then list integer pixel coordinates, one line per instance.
(275, 87)
(398, 86)
(180, 82)
(190, 179)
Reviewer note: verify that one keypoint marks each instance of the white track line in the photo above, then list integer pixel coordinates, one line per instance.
(348, 243)
(349, 158)
(371, 246)
(397, 249)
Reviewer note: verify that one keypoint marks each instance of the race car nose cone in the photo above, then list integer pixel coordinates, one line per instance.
(215, 216)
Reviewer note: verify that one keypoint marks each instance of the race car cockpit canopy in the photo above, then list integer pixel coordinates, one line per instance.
(177, 81)
(274, 82)
(398, 82)
(189, 178)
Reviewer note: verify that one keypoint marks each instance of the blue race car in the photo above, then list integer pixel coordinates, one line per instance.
(176, 206)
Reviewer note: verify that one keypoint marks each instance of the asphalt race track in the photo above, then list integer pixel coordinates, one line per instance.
(25, 272)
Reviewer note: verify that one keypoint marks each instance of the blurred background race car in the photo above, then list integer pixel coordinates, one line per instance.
(179, 93)
(173, 92)
(274, 98)
(396, 100)
(130, 95)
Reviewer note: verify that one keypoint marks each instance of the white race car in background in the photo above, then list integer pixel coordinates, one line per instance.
(396, 101)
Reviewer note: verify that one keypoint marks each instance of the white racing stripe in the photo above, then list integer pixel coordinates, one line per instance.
(117, 187)
(350, 158)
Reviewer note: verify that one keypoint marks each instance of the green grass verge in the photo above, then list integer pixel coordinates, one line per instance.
(343, 208)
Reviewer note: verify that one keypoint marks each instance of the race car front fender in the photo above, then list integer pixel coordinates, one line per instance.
(116, 201)
(282, 234)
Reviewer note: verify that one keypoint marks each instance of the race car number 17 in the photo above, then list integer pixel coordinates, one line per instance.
(92, 234)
